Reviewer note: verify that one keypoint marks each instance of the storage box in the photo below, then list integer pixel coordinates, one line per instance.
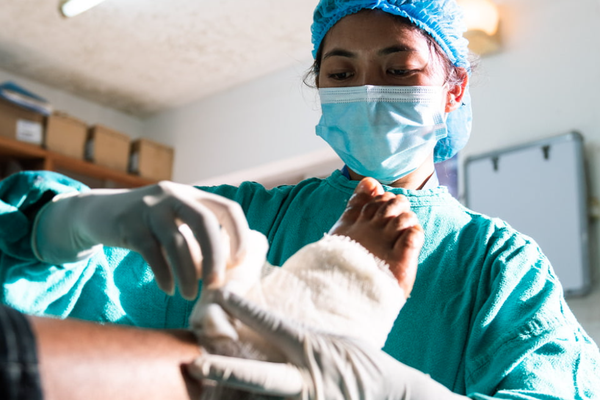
(21, 124)
(151, 160)
(66, 135)
(107, 147)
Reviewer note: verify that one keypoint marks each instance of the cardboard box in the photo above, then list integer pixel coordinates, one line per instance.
(66, 135)
(107, 147)
(151, 160)
(21, 124)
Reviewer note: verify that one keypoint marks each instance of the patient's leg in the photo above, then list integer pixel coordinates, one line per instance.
(82, 360)
(355, 281)
(352, 282)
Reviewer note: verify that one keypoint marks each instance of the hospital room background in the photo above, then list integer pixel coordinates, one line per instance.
(222, 85)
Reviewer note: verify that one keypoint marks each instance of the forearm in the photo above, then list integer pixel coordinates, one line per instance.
(84, 360)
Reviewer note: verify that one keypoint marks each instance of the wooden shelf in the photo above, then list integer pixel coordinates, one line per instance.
(51, 161)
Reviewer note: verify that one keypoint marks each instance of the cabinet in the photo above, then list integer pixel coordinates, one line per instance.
(32, 157)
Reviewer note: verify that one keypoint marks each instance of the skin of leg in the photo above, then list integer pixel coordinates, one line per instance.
(83, 360)
(383, 223)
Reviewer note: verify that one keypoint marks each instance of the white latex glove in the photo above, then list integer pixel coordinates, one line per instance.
(175, 227)
(320, 365)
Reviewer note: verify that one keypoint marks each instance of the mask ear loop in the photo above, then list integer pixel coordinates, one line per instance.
(446, 87)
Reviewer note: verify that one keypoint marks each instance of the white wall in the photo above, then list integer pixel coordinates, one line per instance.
(545, 82)
(85, 110)
(267, 120)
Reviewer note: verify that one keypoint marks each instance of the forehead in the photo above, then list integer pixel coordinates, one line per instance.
(371, 30)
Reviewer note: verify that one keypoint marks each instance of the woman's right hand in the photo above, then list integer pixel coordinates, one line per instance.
(318, 365)
(175, 227)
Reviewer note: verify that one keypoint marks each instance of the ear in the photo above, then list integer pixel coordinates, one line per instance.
(456, 92)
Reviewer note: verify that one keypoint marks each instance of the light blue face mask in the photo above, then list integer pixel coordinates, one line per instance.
(385, 132)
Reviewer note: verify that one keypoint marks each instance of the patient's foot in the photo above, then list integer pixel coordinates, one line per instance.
(383, 223)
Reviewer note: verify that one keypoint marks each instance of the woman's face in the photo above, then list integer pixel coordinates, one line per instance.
(373, 48)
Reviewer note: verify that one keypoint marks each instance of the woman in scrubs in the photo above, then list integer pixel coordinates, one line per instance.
(486, 316)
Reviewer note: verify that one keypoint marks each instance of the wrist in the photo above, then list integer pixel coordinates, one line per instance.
(55, 238)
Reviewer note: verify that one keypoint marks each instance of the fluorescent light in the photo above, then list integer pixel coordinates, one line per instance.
(71, 8)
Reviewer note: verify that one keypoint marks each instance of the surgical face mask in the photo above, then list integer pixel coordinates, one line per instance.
(384, 132)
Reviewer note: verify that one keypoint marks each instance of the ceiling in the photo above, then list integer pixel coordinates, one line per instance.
(144, 56)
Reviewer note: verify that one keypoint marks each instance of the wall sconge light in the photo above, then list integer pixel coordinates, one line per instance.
(71, 8)
(482, 19)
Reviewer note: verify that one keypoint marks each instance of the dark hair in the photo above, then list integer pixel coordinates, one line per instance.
(454, 74)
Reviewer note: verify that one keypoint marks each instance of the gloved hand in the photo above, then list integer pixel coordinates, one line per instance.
(320, 365)
(175, 227)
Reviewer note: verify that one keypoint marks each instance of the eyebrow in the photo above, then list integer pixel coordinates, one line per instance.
(395, 49)
(339, 53)
(383, 52)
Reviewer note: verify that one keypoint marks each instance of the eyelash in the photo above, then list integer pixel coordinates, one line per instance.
(340, 76)
(402, 72)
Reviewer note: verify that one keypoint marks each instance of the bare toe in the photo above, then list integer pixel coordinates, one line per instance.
(355, 206)
(366, 190)
(404, 220)
(406, 257)
(369, 186)
(393, 207)
(373, 207)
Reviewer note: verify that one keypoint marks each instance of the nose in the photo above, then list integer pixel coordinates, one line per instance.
(371, 74)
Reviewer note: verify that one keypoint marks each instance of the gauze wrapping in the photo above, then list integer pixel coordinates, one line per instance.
(334, 285)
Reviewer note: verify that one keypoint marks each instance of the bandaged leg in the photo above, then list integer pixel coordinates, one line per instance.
(335, 285)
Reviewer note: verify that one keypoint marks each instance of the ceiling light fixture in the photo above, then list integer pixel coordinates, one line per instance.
(482, 18)
(71, 8)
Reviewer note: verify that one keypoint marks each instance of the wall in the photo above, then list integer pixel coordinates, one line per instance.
(544, 82)
(85, 110)
(261, 122)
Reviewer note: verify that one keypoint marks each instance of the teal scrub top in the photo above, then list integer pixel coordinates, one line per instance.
(486, 316)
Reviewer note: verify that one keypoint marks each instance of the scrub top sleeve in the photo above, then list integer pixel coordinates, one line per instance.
(21, 196)
(261, 206)
(525, 342)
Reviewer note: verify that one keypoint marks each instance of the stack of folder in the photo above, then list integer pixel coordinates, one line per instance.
(15, 94)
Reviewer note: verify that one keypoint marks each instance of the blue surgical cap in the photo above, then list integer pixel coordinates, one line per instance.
(442, 20)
